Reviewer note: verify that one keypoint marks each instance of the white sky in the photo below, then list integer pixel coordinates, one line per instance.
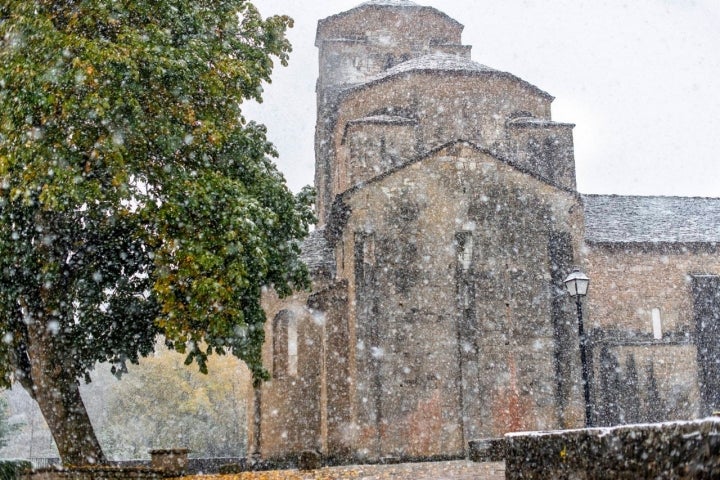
(639, 78)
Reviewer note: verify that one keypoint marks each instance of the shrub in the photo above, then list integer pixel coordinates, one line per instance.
(11, 469)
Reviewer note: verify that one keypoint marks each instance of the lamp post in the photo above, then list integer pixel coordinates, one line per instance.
(577, 285)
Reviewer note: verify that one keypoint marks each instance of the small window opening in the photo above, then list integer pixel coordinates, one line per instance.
(464, 242)
(285, 344)
(656, 324)
(292, 346)
(369, 250)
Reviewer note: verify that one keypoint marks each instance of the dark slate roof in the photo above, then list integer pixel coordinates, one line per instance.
(536, 122)
(316, 253)
(634, 219)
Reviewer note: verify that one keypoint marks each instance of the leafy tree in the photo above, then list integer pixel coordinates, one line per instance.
(135, 199)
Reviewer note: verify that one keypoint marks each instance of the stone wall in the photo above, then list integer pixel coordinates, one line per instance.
(643, 320)
(543, 147)
(452, 295)
(290, 401)
(336, 413)
(680, 450)
(378, 144)
(643, 382)
(628, 281)
(361, 43)
(305, 405)
(447, 105)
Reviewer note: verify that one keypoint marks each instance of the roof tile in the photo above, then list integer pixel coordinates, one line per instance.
(635, 219)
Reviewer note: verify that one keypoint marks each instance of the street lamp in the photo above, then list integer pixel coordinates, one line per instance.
(577, 286)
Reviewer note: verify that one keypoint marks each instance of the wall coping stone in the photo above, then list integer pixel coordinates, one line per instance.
(681, 449)
(487, 450)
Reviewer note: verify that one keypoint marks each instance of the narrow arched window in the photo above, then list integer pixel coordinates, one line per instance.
(464, 249)
(292, 346)
(285, 344)
(280, 342)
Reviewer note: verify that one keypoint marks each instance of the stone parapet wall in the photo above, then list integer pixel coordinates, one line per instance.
(487, 450)
(678, 450)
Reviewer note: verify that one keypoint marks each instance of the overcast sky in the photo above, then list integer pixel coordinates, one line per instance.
(639, 78)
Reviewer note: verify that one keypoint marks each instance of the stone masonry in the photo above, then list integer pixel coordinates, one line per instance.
(448, 219)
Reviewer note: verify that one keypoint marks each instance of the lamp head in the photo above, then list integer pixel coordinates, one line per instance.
(577, 283)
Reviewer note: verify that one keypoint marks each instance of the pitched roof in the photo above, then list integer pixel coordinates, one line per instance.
(441, 63)
(390, 3)
(437, 150)
(635, 219)
(435, 61)
(536, 122)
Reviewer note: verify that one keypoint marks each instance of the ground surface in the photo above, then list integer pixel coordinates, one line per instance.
(455, 470)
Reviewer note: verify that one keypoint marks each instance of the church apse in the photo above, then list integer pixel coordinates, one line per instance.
(453, 302)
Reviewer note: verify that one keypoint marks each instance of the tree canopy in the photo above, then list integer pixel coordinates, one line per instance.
(135, 198)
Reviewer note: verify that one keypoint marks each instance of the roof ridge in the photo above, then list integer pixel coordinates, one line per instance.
(447, 63)
(621, 195)
(391, 3)
(434, 61)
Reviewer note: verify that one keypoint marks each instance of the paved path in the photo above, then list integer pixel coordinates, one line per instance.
(454, 470)
(457, 470)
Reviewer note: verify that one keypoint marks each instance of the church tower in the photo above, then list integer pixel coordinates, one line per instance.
(382, 40)
(356, 47)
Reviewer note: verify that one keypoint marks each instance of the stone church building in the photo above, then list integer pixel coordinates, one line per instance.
(448, 219)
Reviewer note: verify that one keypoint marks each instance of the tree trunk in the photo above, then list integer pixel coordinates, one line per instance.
(56, 390)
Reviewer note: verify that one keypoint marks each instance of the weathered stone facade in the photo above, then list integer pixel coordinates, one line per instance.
(448, 219)
(654, 308)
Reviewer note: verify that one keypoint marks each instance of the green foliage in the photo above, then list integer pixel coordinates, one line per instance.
(11, 469)
(135, 199)
(6, 428)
